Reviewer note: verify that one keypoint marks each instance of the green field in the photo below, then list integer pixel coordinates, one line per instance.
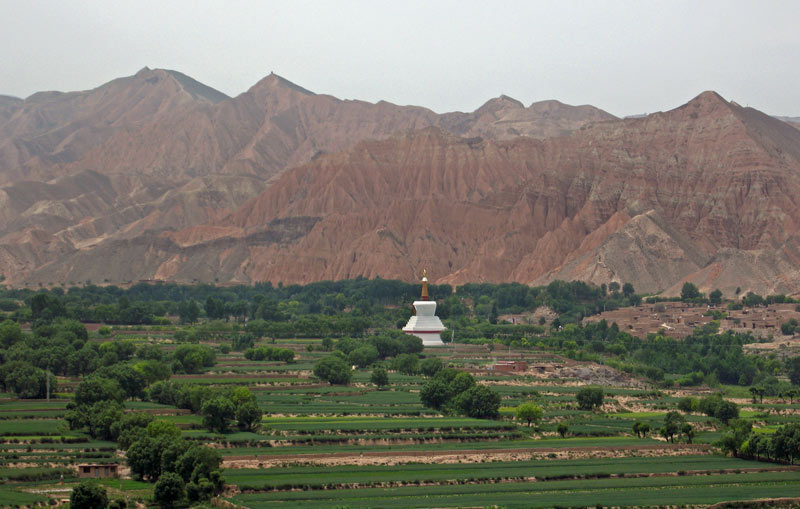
(320, 477)
(647, 491)
(359, 445)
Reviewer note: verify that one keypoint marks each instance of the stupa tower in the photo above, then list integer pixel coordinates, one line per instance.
(425, 324)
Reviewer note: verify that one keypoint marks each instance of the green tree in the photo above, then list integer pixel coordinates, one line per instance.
(793, 370)
(479, 402)
(88, 495)
(379, 377)
(688, 431)
(641, 429)
(158, 428)
(717, 407)
(217, 413)
(45, 306)
(461, 382)
(248, 416)
(715, 297)
(169, 490)
(387, 346)
(130, 428)
(789, 327)
(753, 299)
(131, 381)
(687, 404)
(153, 371)
(589, 398)
(27, 382)
(563, 428)
(101, 418)
(435, 393)
(673, 423)
(193, 358)
(757, 393)
(786, 442)
(406, 363)
(627, 290)
(242, 395)
(199, 468)
(10, 333)
(188, 311)
(333, 370)
(735, 436)
(409, 343)
(689, 291)
(94, 389)
(431, 366)
(363, 356)
(118, 503)
(215, 309)
(144, 456)
(529, 412)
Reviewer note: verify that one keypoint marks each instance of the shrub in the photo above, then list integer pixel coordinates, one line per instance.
(88, 495)
(379, 377)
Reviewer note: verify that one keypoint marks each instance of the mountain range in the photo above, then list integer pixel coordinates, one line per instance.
(157, 176)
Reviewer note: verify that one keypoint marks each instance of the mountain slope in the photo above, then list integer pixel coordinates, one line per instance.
(697, 193)
(159, 151)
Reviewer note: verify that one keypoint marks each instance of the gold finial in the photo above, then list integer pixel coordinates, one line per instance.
(424, 284)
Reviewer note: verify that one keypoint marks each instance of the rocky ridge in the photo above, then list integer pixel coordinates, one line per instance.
(159, 151)
(702, 193)
(282, 184)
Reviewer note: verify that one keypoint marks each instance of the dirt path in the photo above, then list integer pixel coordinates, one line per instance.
(463, 456)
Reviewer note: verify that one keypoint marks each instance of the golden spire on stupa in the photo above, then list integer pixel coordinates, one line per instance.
(424, 284)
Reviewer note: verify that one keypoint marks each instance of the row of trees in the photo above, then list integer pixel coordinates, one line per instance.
(317, 309)
(691, 294)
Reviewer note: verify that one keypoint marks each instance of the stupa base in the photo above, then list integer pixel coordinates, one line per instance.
(428, 338)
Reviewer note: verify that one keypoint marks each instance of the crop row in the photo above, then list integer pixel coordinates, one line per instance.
(319, 477)
(674, 490)
(393, 425)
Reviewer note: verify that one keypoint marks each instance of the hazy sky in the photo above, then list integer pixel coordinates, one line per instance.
(627, 57)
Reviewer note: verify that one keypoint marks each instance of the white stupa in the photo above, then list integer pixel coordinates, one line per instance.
(424, 323)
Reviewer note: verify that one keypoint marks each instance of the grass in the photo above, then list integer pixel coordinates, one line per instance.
(32, 427)
(370, 424)
(12, 497)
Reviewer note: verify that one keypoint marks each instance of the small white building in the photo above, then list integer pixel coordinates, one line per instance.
(424, 323)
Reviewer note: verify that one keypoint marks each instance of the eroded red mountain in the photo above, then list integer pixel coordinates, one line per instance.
(705, 193)
(159, 151)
